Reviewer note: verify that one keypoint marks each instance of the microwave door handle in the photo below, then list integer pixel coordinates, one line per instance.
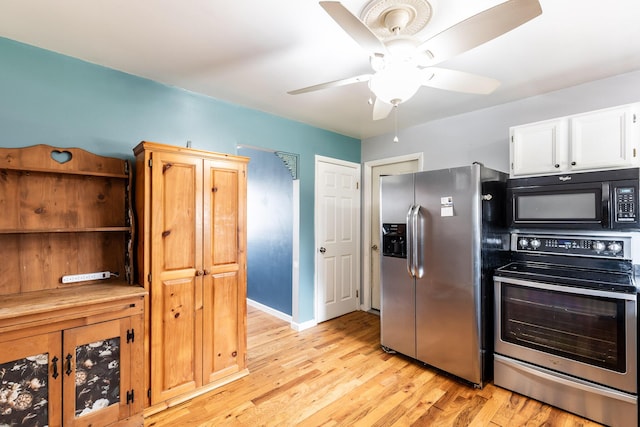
(409, 242)
(606, 205)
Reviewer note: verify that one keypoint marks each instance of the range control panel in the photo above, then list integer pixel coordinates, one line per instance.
(594, 246)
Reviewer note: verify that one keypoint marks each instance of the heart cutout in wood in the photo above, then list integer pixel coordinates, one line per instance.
(61, 156)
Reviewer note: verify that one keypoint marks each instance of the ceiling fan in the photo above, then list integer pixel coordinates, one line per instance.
(402, 63)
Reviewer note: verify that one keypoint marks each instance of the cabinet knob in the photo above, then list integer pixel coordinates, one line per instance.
(573, 163)
(199, 273)
(556, 165)
(322, 250)
(206, 272)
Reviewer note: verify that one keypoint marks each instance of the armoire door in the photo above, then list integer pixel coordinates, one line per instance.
(177, 273)
(224, 339)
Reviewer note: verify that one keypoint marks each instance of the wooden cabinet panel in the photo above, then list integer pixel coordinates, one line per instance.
(192, 254)
(224, 218)
(97, 359)
(31, 381)
(223, 313)
(174, 340)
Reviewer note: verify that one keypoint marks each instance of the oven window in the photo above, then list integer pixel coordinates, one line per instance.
(569, 206)
(579, 327)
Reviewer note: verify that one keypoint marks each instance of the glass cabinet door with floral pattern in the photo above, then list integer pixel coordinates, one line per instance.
(95, 391)
(30, 381)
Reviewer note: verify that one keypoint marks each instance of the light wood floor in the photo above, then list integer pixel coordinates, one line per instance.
(335, 374)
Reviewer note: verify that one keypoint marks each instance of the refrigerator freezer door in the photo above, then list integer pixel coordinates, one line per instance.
(397, 301)
(448, 296)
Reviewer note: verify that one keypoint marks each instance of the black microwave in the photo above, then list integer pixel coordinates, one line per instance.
(588, 200)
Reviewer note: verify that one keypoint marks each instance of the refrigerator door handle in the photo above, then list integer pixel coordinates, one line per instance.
(418, 241)
(409, 241)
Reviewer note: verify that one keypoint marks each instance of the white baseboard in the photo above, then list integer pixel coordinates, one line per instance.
(282, 316)
(304, 325)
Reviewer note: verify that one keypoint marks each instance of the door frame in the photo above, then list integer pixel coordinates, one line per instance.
(352, 165)
(365, 298)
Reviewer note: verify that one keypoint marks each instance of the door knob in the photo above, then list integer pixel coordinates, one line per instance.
(322, 250)
(374, 247)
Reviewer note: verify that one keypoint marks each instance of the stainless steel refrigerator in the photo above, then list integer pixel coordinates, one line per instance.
(442, 235)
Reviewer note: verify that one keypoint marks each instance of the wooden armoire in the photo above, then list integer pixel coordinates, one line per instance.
(191, 209)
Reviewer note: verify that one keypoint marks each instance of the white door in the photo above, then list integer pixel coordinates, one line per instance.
(337, 235)
(376, 173)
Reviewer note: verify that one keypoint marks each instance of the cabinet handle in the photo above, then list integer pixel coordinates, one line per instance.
(556, 165)
(69, 357)
(54, 361)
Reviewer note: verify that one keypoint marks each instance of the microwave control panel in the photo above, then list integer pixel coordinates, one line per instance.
(625, 204)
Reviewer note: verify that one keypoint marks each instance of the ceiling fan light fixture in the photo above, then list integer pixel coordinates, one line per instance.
(396, 83)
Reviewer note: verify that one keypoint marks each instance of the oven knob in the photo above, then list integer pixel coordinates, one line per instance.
(523, 243)
(598, 246)
(615, 247)
(535, 243)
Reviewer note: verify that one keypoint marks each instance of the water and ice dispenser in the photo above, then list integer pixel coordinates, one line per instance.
(394, 243)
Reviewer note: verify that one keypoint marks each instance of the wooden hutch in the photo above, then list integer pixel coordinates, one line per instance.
(71, 317)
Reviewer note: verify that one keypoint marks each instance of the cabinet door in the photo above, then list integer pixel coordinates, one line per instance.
(539, 148)
(96, 371)
(30, 381)
(604, 139)
(176, 288)
(224, 340)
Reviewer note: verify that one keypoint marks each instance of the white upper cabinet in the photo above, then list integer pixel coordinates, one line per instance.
(603, 139)
(539, 148)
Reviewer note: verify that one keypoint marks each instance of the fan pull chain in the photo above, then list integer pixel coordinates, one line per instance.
(395, 122)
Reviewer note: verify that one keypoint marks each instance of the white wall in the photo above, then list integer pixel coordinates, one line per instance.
(483, 135)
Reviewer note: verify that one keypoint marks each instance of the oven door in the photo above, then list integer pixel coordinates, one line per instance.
(585, 333)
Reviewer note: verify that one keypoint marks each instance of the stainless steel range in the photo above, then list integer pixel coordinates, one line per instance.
(566, 323)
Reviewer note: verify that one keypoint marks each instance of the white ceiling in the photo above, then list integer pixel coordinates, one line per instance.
(251, 52)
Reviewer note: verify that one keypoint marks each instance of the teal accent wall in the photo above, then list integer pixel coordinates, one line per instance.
(48, 98)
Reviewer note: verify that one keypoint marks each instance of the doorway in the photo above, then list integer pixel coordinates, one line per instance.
(371, 229)
(271, 232)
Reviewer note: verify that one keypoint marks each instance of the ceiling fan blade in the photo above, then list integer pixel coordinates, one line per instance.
(458, 81)
(381, 109)
(354, 27)
(480, 28)
(335, 83)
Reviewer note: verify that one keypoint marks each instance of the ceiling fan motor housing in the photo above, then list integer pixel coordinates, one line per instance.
(389, 18)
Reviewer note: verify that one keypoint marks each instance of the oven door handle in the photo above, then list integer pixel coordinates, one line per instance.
(566, 289)
(570, 382)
